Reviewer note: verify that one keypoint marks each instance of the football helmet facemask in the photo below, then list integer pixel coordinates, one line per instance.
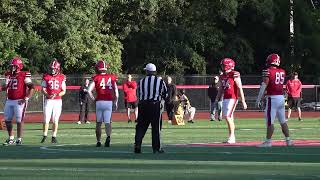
(227, 64)
(54, 67)
(16, 65)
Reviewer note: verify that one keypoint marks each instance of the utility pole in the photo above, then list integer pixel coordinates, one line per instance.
(291, 29)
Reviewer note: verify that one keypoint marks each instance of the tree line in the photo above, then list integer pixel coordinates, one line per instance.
(179, 36)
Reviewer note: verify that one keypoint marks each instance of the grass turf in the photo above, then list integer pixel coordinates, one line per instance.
(76, 157)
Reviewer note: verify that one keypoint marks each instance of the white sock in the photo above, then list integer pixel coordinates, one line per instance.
(11, 137)
(269, 140)
(287, 138)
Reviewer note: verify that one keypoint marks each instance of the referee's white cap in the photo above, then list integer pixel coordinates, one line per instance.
(150, 67)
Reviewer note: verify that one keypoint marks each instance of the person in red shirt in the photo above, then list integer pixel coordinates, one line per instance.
(231, 87)
(106, 96)
(272, 87)
(19, 89)
(130, 97)
(53, 87)
(293, 88)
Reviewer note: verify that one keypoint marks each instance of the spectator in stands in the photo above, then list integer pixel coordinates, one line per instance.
(130, 97)
(215, 106)
(293, 88)
(189, 111)
(84, 103)
(172, 93)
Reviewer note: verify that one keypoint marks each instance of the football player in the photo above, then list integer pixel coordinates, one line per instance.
(230, 82)
(53, 87)
(106, 96)
(272, 86)
(19, 89)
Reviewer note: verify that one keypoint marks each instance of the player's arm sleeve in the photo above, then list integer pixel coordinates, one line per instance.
(27, 78)
(262, 89)
(30, 85)
(63, 88)
(90, 89)
(238, 82)
(116, 91)
(44, 87)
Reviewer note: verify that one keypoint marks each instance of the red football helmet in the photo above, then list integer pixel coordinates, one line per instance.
(16, 64)
(227, 64)
(101, 65)
(273, 59)
(55, 67)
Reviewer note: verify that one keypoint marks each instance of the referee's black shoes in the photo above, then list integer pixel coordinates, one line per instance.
(137, 150)
(160, 151)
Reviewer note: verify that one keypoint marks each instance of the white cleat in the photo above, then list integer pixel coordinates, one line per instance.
(230, 141)
(289, 143)
(169, 121)
(79, 122)
(265, 144)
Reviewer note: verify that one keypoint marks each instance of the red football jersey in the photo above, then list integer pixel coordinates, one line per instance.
(53, 84)
(104, 84)
(294, 87)
(230, 88)
(129, 89)
(276, 80)
(17, 84)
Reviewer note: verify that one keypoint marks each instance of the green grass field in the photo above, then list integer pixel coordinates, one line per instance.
(76, 157)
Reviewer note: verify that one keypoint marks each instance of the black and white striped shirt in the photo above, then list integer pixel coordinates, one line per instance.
(152, 88)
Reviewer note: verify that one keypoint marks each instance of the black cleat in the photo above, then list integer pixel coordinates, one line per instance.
(54, 140)
(98, 144)
(129, 121)
(212, 120)
(18, 142)
(137, 150)
(300, 119)
(8, 142)
(190, 121)
(160, 151)
(44, 138)
(136, 121)
(107, 143)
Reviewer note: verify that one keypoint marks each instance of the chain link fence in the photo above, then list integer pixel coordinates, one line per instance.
(197, 94)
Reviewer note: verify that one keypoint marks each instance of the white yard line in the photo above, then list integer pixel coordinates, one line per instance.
(53, 148)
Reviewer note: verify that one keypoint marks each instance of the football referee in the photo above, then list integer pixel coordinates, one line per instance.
(151, 90)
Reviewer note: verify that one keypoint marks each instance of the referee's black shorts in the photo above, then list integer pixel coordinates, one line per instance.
(294, 102)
